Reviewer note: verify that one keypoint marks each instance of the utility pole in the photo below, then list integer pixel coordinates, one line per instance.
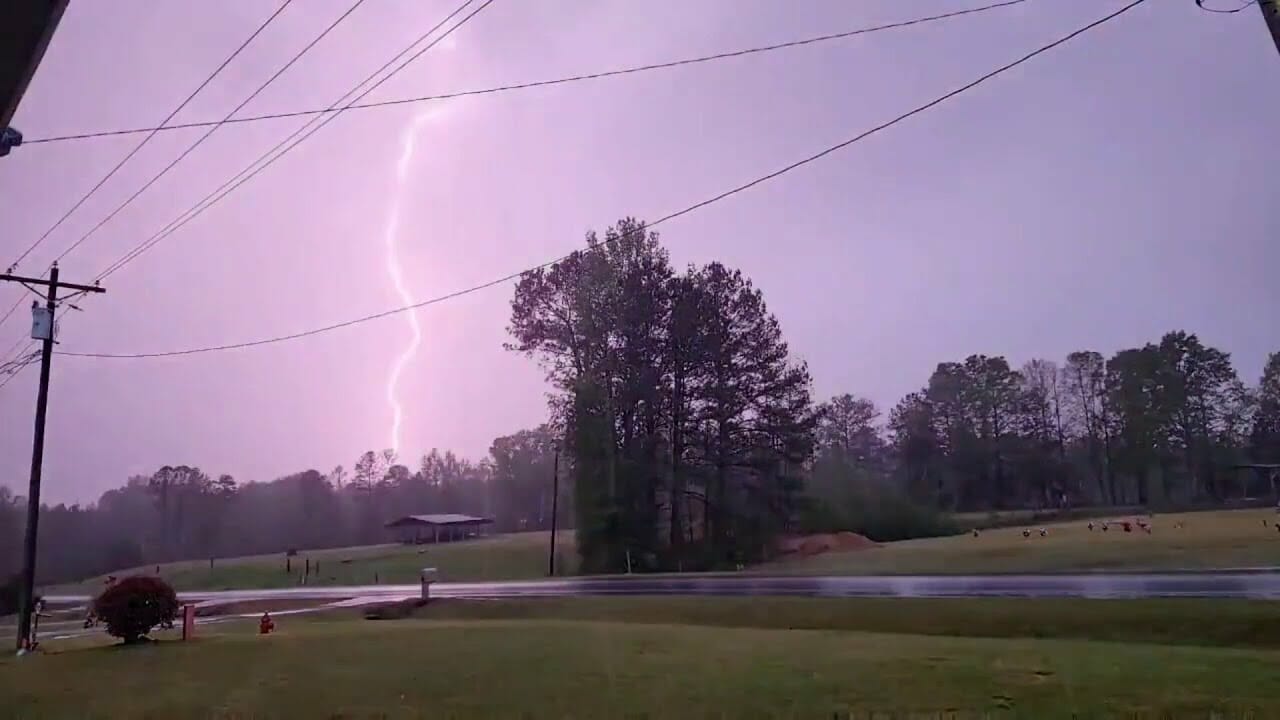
(555, 502)
(42, 328)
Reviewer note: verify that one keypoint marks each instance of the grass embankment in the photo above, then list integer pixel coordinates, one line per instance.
(1231, 538)
(1228, 538)
(505, 557)
(686, 658)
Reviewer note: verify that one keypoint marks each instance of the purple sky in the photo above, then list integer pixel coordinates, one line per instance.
(1111, 190)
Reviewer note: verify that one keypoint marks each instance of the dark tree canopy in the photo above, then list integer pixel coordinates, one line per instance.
(690, 424)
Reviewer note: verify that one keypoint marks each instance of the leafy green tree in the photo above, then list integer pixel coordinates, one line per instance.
(1264, 433)
(522, 466)
(1086, 401)
(1195, 384)
(918, 444)
(684, 402)
(755, 415)
(1041, 435)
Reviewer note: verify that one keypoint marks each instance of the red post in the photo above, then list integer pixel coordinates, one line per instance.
(188, 622)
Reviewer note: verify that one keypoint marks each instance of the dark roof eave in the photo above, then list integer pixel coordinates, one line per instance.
(419, 522)
(25, 33)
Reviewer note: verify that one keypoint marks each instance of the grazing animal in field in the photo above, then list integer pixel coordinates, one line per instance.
(1091, 527)
(1043, 532)
(975, 532)
(1026, 533)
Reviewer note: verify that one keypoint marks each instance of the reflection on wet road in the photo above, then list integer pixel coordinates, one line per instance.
(1224, 584)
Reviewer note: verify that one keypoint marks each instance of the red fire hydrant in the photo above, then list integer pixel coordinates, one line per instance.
(266, 624)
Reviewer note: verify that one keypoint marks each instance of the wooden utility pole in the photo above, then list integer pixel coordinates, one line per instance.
(42, 329)
(555, 503)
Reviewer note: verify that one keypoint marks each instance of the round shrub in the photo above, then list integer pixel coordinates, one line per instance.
(131, 607)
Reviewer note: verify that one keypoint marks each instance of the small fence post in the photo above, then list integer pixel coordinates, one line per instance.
(188, 622)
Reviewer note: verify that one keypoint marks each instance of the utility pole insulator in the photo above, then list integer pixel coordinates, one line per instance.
(9, 138)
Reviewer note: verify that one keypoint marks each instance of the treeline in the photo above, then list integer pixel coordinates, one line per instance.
(689, 439)
(181, 512)
(696, 441)
(1165, 424)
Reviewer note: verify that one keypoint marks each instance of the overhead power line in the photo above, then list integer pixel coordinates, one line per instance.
(671, 216)
(151, 132)
(212, 129)
(214, 126)
(14, 347)
(9, 375)
(334, 109)
(289, 143)
(11, 368)
(545, 83)
(17, 358)
(12, 308)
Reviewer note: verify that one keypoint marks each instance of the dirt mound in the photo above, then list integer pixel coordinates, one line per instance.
(809, 545)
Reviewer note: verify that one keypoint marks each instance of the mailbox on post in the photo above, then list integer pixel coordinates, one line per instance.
(428, 577)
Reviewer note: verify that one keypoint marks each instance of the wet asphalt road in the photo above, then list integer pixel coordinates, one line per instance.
(1216, 584)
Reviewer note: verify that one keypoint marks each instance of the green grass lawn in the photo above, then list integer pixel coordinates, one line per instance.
(684, 658)
(504, 557)
(1229, 538)
(1236, 623)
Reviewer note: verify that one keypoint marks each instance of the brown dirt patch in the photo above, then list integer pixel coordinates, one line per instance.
(810, 545)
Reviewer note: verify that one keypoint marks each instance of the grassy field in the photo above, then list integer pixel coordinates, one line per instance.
(1229, 538)
(687, 658)
(504, 557)
(1236, 623)
(1232, 538)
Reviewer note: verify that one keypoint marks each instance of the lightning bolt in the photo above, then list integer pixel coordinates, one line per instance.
(408, 146)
